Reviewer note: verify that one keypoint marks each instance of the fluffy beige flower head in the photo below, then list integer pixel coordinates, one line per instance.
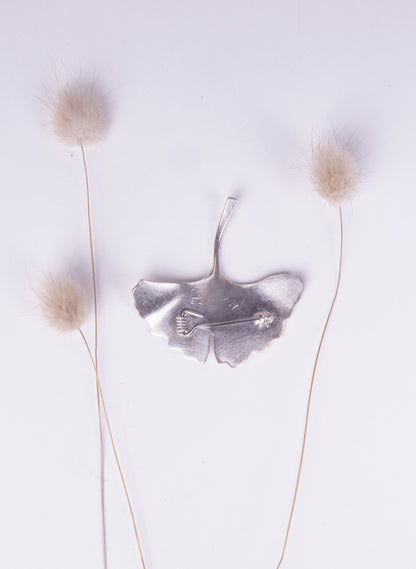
(63, 303)
(333, 171)
(79, 114)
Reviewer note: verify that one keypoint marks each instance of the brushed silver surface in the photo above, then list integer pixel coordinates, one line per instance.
(238, 318)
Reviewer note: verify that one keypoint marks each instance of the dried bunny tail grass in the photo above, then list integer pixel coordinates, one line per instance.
(333, 171)
(335, 177)
(79, 113)
(62, 302)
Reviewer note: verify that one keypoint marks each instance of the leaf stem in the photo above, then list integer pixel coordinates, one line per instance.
(222, 224)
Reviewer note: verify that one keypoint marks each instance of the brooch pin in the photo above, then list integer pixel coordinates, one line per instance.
(238, 318)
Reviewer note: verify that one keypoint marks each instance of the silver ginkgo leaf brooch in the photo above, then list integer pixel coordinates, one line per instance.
(238, 318)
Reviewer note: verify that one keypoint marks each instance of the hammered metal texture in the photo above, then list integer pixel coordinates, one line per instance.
(239, 318)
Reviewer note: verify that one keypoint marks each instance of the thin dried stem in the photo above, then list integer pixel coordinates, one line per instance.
(94, 285)
(305, 431)
(96, 362)
(136, 533)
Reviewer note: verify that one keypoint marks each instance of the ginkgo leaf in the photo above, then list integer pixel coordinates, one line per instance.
(241, 318)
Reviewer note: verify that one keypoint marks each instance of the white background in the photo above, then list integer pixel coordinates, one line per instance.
(211, 99)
